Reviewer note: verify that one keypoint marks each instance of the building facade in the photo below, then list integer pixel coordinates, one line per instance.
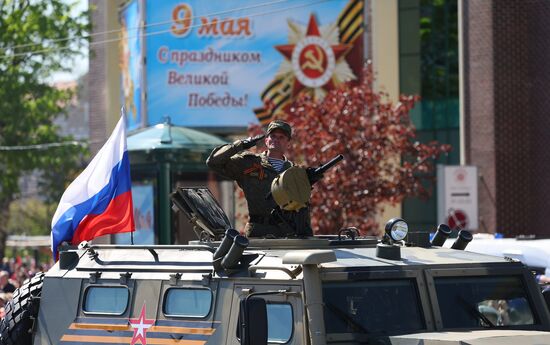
(506, 70)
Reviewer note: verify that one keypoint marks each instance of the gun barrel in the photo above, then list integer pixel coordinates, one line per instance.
(323, 168)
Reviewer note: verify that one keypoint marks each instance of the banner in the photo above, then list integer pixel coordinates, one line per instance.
(131, 63)
(144, 217)
(216, 63)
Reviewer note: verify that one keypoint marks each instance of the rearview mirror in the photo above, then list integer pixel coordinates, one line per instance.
(253, 321)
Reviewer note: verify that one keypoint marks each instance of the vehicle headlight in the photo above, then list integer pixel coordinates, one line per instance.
(397, 229)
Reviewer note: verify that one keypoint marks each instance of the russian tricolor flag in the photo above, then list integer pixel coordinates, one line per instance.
(99, 201)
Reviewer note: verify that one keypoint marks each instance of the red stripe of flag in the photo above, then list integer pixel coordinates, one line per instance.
(116, 218)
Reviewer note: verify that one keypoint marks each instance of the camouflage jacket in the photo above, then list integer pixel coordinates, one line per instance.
(251, 171)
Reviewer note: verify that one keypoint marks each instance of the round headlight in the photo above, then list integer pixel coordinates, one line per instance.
(397, 229)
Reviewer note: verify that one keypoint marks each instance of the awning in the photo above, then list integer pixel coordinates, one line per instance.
(28, 241)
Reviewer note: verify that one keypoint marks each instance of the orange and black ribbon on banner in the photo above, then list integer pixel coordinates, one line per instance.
(278, 94)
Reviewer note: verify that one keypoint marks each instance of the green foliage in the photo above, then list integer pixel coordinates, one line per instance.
(29, 217)
(37, 37)
(439, 45)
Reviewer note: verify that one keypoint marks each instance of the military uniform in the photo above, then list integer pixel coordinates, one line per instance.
(254, 174)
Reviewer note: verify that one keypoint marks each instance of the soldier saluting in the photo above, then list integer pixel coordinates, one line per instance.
(254, 173)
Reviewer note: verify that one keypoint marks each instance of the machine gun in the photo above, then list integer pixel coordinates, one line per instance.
(315, 174)
(291, 191)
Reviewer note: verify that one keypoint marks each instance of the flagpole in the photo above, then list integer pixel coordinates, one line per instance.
(123, 114)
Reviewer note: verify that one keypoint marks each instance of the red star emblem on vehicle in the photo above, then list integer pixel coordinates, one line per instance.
(313, 59)
(140, 326)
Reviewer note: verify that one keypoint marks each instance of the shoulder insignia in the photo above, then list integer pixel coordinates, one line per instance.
(255, 170)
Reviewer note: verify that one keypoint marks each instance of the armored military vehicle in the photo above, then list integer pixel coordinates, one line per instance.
(227, 289)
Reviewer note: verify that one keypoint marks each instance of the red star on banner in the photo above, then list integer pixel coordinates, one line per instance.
(312, 58)
(140, 326)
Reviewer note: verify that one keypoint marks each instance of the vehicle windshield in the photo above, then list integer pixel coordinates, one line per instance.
(484, 301)
(372, 307)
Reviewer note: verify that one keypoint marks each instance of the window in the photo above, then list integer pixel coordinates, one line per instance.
(106, 300)
(376, 306)
(473, 302)
(279, 323)
(187, 302)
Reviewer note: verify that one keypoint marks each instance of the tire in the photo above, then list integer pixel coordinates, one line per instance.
(16, 327)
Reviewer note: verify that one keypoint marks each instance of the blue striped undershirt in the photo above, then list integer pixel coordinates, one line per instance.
(276, 163)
